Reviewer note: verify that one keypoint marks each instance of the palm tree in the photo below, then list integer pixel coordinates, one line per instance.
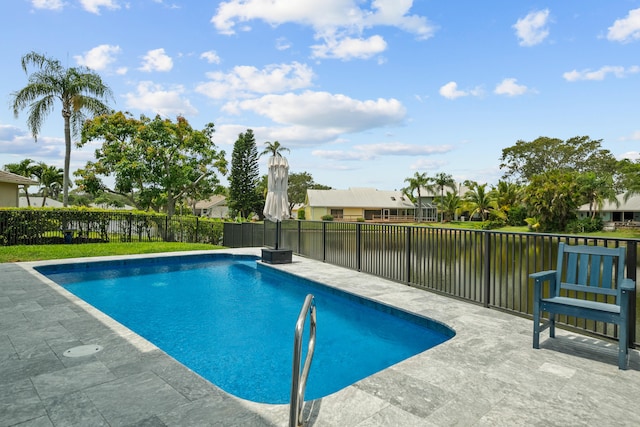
(51, 179)
(274, 148)
(24, 168)
(450, 205)
(596, 189)
(416, 183)
(79, 90)
(442, 180)
(479, 200)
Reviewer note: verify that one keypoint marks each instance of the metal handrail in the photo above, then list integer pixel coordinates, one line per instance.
(299, 380)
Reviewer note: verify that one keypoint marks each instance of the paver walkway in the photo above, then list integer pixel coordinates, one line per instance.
(487, 375)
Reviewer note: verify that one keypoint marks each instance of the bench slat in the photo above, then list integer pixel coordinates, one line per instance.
(588, 289)
(581, 303)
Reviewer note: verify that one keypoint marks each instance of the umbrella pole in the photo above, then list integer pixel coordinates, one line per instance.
(277, 233)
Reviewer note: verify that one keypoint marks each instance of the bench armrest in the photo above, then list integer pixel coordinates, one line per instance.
(628, 285)
(543, 275)
(539, 279)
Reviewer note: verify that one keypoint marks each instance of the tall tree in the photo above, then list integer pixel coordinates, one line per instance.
(630, 173)
(51, 181)
(274, 148)
(244, 197)
(552, 198)
(441, 181)
(78, 89)
(416, 183)
(156, 162)
(596, 190)
(25, 168)
(526, 159)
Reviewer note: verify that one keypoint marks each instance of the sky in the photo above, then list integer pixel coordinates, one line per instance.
(364, 93)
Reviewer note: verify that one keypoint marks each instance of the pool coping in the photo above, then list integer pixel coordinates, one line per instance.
(486, 374)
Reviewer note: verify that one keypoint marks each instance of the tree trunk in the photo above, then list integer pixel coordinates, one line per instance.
(67, 159)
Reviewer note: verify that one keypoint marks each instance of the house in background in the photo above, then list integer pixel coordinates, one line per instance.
(624, 213)
(36, 202)
(359, 203)
(214, 207)
(10, 186)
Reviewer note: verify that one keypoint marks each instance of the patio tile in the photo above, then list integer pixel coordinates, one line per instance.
(71, 379)
(134, 398)
(19, 402)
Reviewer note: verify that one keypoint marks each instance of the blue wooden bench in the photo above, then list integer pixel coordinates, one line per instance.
(588, 283)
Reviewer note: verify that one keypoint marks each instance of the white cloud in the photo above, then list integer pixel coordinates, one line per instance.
(372, 151)
(601, 74)
(154, 98)
(532, 29)
(245, 79)
(427, 164)
(626, 29)
(399, 149)
(340, 155)
(339, 23)
(450, 91)
(156, 60)
(282, 43)
(635, 136)
(8, 132)
(94, 6)
(509, 87)
(631, 155)
(48, 4)
(349, 48)
(211, 56)
(99, 57)
(323, 110)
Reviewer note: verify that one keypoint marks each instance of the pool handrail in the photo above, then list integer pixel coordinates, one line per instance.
(299, 380)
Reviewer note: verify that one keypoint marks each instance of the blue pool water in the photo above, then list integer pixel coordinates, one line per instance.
(231, 320)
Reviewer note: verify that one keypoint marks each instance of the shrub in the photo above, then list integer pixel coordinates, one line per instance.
(302, 214)
(585, 225)
(360, 220)
(327, 218)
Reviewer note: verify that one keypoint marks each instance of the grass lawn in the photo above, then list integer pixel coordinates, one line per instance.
(43, 252)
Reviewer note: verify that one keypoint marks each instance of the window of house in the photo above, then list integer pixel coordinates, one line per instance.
(337, 213)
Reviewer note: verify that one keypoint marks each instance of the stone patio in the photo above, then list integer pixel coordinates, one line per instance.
(487, 375)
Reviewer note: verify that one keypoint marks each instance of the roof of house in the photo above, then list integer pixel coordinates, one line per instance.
(359, 198)
(13, 178)
(631, 205)
(211, 202)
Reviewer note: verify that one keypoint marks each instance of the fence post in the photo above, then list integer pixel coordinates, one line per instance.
(407, 250)
(632, 266)
(358, 246)
(324, 241)
(197, 225)
(130, 226)
(299, 236)
(487, 269)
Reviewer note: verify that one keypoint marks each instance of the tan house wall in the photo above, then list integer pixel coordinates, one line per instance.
(8, 195)
(314, 214)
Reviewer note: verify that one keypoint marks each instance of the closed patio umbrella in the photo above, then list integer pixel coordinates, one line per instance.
(276, 206)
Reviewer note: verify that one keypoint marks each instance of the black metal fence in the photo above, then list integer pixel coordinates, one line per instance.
(32, 227)
(486, 267)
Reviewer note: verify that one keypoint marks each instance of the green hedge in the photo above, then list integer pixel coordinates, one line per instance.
(30, 226)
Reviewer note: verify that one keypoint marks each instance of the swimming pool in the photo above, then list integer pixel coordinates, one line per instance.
(231, 320)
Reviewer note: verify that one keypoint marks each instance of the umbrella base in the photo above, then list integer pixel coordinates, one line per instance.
(276, 256)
